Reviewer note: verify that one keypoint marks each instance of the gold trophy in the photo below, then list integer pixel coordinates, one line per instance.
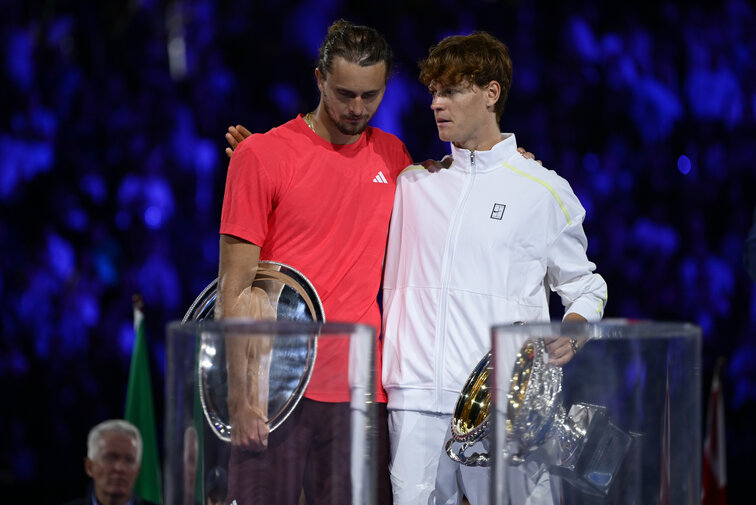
(470, 421)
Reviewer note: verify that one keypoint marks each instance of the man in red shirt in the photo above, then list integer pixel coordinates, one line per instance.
(314, 193)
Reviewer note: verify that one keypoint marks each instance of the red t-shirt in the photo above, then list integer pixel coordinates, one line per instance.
(323, 209)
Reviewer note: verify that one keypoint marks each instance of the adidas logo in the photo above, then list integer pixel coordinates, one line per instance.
(380, 178)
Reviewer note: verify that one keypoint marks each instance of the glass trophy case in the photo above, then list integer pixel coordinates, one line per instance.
(237, 391)
(620, 423)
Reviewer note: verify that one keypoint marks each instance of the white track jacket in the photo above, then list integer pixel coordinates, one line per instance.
(478, 244)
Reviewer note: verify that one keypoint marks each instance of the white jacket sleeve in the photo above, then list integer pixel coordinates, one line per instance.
(570, 273)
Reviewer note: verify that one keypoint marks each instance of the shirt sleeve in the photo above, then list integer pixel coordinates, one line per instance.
(249, 195)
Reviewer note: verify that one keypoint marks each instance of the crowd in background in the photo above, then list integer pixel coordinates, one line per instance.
(112, 117)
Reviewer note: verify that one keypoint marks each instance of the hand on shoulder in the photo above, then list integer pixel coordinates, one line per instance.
(234, 136)
(435, 166)
(528, 155)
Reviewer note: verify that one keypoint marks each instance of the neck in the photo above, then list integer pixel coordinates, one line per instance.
(325, 128)
(481, 140)
(479, 145)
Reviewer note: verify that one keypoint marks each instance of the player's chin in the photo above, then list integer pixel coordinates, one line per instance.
(444, 135)
(353, 126)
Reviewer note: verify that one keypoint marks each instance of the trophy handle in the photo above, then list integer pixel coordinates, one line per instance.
(474, 459)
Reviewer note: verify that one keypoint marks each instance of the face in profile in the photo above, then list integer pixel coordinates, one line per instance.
(352, 93)
(115, 468)
(460, 111)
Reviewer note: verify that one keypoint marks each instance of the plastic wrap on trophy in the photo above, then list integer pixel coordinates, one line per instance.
(583, 446)
(293, 298)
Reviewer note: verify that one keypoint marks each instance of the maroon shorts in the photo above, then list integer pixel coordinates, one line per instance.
(307, 453)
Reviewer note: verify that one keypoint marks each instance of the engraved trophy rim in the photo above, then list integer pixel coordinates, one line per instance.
(530, 412)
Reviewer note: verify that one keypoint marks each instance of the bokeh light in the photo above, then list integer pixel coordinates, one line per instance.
(113, 169)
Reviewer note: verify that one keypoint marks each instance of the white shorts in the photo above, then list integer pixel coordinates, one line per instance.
(423, 474)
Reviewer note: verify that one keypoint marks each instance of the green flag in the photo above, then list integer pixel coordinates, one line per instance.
(140, 411)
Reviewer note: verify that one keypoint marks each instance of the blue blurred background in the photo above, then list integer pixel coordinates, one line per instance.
(112, 116)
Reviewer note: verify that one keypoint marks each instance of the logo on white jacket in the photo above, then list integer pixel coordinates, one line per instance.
(380, 178)
(498, 211)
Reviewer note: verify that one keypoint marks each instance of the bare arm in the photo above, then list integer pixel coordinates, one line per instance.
(236, 271)
(246, 357)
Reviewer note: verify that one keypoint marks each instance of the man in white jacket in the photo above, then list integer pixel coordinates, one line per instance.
(480, 242)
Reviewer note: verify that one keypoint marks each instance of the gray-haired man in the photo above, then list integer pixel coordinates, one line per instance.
(114, 456)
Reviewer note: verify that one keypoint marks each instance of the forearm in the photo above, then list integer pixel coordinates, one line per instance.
(236, 299)
(243, 353)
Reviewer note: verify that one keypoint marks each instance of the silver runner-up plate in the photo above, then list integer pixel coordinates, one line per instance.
(291, 360)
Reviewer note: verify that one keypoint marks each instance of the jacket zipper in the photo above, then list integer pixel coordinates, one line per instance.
(446, 273)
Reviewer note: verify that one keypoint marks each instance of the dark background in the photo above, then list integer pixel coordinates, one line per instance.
(112, 117)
